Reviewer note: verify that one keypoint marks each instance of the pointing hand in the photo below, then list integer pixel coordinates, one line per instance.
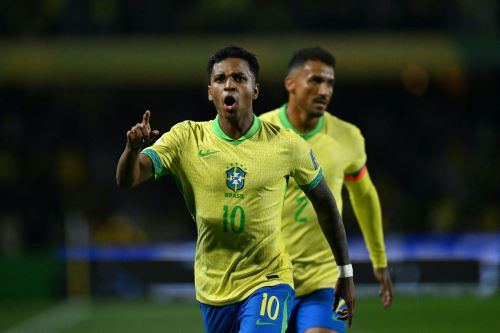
(141, 134)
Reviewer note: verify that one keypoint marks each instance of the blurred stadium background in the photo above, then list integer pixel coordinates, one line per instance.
(77, 254)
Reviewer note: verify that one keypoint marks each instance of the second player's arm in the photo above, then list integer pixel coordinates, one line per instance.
(332, 226)
(366, 206)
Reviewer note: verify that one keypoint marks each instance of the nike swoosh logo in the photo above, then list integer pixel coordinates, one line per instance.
(261, 323)
(202, 153)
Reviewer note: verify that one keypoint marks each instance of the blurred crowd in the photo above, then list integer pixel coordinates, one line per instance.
(434, 159)
(104, 17)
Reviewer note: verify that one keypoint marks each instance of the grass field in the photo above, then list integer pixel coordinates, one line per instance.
(408, 314)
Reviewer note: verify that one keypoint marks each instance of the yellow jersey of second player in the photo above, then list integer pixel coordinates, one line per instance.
(340, 148)
(234, 190)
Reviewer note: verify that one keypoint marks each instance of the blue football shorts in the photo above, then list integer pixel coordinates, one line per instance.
(266, 310)
(315, 310)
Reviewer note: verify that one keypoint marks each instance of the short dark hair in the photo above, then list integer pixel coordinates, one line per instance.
(234, 52)
(300, 57)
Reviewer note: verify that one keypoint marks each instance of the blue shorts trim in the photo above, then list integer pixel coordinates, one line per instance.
(266, 310)
(315, 310)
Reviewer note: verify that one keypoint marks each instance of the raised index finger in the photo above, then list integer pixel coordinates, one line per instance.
(145, 117)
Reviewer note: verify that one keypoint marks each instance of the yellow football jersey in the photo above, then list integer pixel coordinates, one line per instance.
(234, 190)
(340, 148)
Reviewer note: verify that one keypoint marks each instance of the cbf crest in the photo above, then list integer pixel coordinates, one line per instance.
(235, 177)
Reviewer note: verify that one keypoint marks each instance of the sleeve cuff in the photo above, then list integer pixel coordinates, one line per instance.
(159, 170)
(314, 183)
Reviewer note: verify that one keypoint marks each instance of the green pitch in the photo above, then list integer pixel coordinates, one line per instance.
(408, 314)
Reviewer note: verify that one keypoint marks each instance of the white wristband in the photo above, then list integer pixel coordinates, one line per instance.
(345, 271)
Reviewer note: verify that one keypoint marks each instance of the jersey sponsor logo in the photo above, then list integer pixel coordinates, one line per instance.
(235, 177)
(313, 158)
(202, 153)
(262, 323)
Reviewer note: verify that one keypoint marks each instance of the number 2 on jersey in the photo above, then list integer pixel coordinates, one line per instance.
(302, 200)
(236, 211)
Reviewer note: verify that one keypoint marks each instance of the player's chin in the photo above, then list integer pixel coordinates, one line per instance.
(230, 114)
(225, 111)
(317, 111)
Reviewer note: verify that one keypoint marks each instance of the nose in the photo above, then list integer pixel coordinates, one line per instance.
(229, 85)
(325, 89)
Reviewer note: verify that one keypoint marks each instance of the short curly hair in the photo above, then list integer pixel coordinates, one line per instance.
(234, 52)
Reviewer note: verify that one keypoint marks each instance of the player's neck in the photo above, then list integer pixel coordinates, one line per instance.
(235, 128)
(300, 119)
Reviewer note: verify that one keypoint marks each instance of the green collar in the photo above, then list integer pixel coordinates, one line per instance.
(287, 124)
(251, 131)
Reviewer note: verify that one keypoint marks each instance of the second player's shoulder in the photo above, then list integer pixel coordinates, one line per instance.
(271, 116)
(272, 124)
(339, 127)
(273, 130)
(281, 139)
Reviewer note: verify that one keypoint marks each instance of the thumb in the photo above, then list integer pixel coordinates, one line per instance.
(154, 134)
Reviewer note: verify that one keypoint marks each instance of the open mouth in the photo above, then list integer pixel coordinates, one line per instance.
(229, 102)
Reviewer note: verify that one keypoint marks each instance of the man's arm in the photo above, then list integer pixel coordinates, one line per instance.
(331, 223)
(366, 206)
(133, 167)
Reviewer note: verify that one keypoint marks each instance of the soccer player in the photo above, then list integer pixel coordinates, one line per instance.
(233, 173)
(339, 146)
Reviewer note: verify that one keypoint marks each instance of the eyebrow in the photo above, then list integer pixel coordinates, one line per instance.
(223, 74)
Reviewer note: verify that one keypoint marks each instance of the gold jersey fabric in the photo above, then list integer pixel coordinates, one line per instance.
(234, 190)
(339, 146)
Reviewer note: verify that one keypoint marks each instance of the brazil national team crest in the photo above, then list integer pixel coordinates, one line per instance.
(235, 177)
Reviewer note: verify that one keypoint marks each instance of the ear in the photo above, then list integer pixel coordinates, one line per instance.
(210, 93)
(256, 91)
(289, 83)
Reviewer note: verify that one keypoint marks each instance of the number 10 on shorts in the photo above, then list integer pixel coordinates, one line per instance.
(268, 306)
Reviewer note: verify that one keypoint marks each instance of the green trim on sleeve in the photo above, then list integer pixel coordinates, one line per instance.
(284, 321)
(251, 131)
(314, 183)
(287, 124)
(159, 170)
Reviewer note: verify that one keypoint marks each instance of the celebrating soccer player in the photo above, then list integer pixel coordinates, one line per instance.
(339, 146)
(233, 172)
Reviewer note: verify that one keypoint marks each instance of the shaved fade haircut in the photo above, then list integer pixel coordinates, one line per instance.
(300, 57)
